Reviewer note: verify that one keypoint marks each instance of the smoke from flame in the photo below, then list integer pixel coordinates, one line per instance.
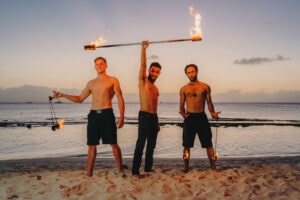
(99, 41)
(196, 30)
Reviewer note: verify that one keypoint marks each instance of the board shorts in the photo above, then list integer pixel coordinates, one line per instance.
(101, 125)
(196, 123)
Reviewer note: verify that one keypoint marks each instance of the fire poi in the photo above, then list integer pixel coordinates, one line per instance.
(195, 35)
(216, 155)
(56, 123)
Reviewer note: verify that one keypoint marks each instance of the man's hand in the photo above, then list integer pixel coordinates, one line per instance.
(120, 122)
(184, 115)
(215, 115)
(57, 94)
(145, 44)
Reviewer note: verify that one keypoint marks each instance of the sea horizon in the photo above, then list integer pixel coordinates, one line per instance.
(15, 114)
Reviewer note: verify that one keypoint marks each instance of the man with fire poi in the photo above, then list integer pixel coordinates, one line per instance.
(101, 119)
(194, 94)
(148, 121)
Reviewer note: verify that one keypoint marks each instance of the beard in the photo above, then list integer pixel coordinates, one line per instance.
(193, 79)
(151, 79)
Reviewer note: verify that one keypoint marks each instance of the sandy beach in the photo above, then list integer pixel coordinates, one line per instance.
(237, 178)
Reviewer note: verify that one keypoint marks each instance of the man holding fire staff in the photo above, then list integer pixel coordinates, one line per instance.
(148, 121)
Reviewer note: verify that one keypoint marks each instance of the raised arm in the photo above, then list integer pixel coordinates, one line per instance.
(142, 74)
(121, 104)
(74, 98)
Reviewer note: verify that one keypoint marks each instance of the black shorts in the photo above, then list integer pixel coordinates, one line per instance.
(196, 123)
(101, 125)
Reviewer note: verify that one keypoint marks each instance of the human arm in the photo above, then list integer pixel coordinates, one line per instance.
(142, 73)
(210, 105)
(74, 98)
(182, 111)
(121, 104)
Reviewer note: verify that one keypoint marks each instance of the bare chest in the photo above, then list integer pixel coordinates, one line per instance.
(195, 92)
(152, 90)
(101, 87)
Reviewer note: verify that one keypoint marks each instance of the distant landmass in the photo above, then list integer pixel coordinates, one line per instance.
(31, 93)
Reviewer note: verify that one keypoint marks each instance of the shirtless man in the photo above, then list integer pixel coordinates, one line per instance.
(194, 95)
(148, 120)
(101, 119)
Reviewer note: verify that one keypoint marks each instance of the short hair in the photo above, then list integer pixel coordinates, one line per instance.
(100, 58)
(191, 65)
(155, 64)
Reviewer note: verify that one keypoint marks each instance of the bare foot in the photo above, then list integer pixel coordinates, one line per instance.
(124, 167)
(215, 169)
(147, 174)
(213, 166)
(138, 176)
(186, 170)
(88, 173)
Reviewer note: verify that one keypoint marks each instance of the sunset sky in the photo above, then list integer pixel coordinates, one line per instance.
(248, 46)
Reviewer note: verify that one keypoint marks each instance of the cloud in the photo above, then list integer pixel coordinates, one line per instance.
(259, 60)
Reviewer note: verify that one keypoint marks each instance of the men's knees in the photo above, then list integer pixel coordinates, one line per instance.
(92, 147)
(210, 149)
(115, 146)
(151, 147)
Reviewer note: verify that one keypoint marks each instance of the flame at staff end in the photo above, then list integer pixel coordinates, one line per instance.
(93, 45)
(89, 47)
(195, 35)
(195, 31)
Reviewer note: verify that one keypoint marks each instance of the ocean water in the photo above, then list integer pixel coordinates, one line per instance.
(38, 114)
(244, 129)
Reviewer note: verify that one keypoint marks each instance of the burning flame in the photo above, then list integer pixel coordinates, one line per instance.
(93, 45)
(60, 123)
(215, 156)
(186, 155)
(195, 31)
(99, 41)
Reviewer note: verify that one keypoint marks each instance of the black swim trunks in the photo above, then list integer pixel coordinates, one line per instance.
(101, 125)
(196, 123)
